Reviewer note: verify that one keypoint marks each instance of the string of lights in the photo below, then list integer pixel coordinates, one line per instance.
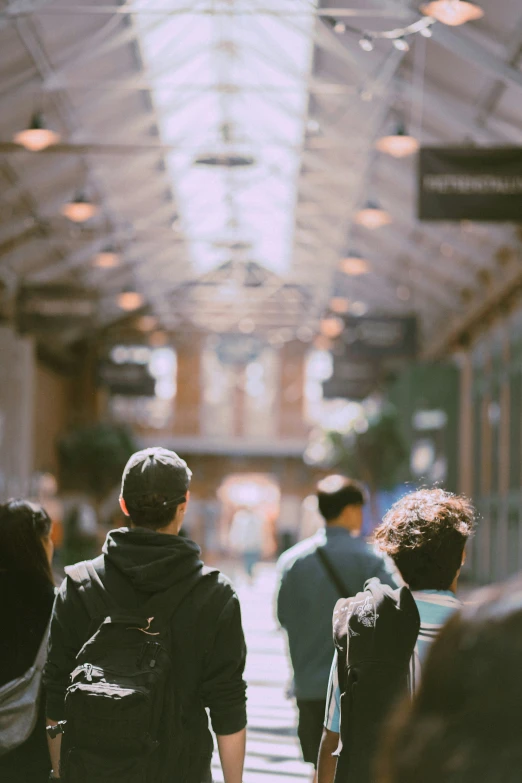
(449, 12)
(398, 36)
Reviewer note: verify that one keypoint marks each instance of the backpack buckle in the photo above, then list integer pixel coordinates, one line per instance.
(53, 731)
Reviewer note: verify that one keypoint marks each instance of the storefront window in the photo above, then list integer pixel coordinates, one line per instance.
(150, 412)
(260, 383)
(339, 415)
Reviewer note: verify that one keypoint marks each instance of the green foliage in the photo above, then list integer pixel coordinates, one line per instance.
(92, 458)
(376, 455)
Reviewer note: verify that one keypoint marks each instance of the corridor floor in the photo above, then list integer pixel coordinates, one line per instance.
(272, 747)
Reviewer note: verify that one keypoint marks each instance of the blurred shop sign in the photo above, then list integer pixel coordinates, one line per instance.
(350, 380)
(379, 337)
(50, 308)
(429, 420)
(348, 390)
(238, 349)
(128, 379)
(475, 183)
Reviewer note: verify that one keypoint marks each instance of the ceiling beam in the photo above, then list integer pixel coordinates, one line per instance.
(452, 336)
(468, 46)
(490, 98)
(471, 46)
(34, 6)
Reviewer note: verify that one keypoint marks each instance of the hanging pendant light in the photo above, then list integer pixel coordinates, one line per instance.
(372, 216)
(158, 339)
(332, 327)
(36, 137)
(130, 300)
(401, 44)
(147, 323)
(79, 209)
(322, 343)
(107, 258)
(399, 144)
(453, 12)
(354, 264)
(339, 305)
(366, 43)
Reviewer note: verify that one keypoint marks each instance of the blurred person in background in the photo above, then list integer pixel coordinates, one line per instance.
(464, 725)
(313, 575)
(246, 538)
(26, 597)
(311, 520)
(382, 635)
(47, 496)
(81, 533)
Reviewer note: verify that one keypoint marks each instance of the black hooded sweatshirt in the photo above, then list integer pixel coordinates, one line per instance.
(208, 643)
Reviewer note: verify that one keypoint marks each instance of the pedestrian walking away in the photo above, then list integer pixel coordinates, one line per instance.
(314, 574)
(382, 635)
(143, 639)
(464, 723)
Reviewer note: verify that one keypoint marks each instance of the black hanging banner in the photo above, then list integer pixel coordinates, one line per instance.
(379, 337)
(470, 183)
(351, 380)
(53, 308)
(127, 379)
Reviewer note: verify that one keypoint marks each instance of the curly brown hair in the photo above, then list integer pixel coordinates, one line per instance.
(425, 534)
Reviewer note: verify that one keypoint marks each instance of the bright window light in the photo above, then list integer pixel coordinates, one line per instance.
(232, 83)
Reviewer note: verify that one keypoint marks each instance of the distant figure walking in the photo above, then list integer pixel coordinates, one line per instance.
(334, 563)
(246, 538)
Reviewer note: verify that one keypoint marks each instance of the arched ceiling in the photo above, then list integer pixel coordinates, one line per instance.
(150, 96)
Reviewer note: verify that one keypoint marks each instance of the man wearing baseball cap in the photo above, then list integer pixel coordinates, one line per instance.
(141, 562)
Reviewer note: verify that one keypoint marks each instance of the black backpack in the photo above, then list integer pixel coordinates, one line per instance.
(123, 717)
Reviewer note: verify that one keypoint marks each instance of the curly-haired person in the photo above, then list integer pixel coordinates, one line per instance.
(382, 636)
(464, 724)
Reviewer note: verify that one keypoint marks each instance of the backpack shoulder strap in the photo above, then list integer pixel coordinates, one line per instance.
(163, 605)
(41, 655)
(334, 577)
(90, 588)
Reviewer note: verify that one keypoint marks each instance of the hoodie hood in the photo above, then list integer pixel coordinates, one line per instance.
(152, 561)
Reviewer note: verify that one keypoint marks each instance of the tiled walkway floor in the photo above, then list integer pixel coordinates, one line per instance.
(272, 747)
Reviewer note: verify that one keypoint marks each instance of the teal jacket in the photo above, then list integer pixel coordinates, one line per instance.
(306, 598)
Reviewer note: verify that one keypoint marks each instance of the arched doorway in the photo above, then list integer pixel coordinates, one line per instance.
(256, 491)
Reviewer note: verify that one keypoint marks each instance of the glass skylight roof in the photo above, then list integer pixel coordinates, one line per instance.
(230, 78)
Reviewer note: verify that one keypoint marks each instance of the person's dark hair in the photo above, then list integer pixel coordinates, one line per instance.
(464, 724)
(23, 528)
(425, 534)
(152, 510)
(334, 493)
